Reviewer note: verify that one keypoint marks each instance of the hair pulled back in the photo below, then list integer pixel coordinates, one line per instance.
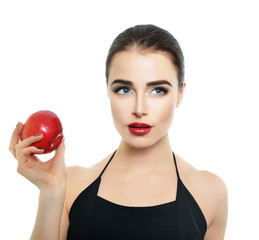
(148, 37)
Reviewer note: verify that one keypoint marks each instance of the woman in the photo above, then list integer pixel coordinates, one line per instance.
(143, 190)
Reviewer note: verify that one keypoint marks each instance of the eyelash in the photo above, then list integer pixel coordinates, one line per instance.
(117, 89)
(164, 90)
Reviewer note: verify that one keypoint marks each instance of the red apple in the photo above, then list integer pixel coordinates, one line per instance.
(47, 123)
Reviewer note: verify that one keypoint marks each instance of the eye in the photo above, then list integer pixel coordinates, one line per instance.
(122, 90)
(159, 91)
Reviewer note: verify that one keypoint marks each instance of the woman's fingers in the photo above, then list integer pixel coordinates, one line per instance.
(59, 159)
(26, 143)
(42, 174)
(60, 150)
(15, 146)
(24, 156)
(15, 138)
(30, 150)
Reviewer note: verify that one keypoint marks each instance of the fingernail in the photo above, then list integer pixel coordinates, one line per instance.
(38, 135)
(17, 124)
(41, 148)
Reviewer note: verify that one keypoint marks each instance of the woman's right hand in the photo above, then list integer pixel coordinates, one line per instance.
(45, 175)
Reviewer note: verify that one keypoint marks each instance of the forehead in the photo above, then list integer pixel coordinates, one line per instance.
(142, 66)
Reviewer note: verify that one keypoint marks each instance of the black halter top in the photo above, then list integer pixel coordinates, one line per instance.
(93, 217)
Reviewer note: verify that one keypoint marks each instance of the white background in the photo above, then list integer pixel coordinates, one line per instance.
(52, 56)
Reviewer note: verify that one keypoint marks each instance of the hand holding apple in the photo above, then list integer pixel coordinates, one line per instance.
(46, 175)
(47, 123)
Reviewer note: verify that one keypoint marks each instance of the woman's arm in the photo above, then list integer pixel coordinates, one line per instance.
(48, 220)
(50, 177)
(217, 227)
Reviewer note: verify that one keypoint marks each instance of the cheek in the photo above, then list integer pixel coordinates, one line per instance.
(164, 112)
(118, 110)
(167, 114)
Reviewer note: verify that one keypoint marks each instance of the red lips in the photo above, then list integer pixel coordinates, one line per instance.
(137, 128)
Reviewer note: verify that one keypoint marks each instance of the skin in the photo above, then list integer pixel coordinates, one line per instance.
(143, 165)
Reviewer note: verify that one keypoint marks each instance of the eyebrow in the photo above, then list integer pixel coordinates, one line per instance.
(153, 83)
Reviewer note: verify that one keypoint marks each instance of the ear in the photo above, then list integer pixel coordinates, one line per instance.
(181, 94)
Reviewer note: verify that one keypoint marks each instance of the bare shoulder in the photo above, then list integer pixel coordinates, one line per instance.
(211, 183)
(79, 178)
(208, 189)
(208, 181)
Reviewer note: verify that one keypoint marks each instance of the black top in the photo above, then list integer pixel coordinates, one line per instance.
(93, 217)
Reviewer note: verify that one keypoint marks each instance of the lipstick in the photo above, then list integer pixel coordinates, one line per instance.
(139, 128)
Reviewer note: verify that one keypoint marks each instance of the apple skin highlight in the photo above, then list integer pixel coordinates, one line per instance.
(47, 123)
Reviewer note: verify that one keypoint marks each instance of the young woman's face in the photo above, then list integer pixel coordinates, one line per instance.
(143, 88)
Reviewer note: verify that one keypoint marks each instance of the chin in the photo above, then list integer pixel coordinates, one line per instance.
(142, 142)
(139, 142)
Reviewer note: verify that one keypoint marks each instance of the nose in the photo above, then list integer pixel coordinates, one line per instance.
(140, 108)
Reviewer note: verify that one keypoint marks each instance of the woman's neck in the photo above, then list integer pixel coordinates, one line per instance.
(144, 160)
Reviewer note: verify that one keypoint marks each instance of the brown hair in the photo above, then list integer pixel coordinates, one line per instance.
(146, 37)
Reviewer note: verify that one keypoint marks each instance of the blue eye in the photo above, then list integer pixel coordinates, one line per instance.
(159, 91)
(122, 90)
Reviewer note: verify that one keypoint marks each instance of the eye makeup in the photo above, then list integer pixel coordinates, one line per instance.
(116, 89)
(127, 90)
(120, 84)
(159, 90)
